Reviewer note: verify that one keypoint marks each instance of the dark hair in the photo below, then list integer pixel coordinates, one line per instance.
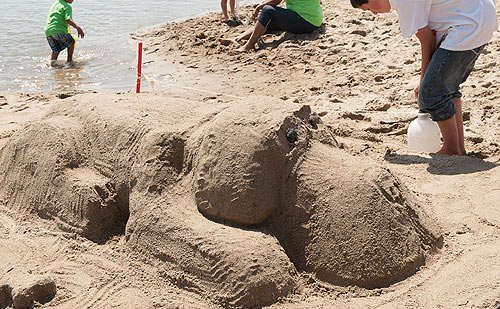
(358, 3)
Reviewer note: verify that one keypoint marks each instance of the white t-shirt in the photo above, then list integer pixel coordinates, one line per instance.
(461, 24)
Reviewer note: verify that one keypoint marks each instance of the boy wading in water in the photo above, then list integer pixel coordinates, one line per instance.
(56, 29)
(452, 35)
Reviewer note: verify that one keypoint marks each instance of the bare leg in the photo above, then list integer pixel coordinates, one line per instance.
(233, 13)
(451, 145)
(223, 6)
(71, 49)
(53, 58)
(244, 36)
(258, 31)
(460, 124)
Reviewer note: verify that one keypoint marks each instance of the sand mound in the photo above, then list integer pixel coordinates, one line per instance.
(243, 158)
(350, 221)
(230, 266)
(87, 167)
(94, 171)
(22, 289)
(46, 171)
(366, 228)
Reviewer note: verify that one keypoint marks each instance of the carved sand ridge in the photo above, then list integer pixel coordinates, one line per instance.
(218, 194)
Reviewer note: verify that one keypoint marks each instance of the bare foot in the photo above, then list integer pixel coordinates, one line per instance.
(448, 152)
(243, 49)
(227, 42)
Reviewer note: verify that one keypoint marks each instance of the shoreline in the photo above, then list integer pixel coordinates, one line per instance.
(30, 66)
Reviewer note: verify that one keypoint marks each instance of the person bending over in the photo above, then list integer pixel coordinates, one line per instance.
(300, 16)
(452, 35)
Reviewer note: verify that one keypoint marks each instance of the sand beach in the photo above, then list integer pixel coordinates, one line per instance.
(278, 178)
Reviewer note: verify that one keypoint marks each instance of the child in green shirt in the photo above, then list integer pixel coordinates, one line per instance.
(300, 16)
(57, 29)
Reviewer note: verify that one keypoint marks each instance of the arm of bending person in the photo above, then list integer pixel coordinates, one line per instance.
(74, 25)
(428, 45)
(261, 5)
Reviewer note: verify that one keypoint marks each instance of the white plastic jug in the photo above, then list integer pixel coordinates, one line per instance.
(423, 134)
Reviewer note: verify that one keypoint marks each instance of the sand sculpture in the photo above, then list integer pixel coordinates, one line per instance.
(22, 289)
(218, 193)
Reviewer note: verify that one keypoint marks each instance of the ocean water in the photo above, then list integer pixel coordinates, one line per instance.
(105, 58)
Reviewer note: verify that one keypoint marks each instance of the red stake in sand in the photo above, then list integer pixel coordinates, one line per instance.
(139, 65)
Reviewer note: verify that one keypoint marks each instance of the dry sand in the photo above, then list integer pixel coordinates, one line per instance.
(191, 196)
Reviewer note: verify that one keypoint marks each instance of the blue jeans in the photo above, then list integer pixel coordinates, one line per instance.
(446, 71)
(276, 18)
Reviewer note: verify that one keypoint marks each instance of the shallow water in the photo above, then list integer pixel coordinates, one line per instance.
(105, 58)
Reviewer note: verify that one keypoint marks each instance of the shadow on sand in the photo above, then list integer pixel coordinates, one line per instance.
(291, 37)
(443, 165)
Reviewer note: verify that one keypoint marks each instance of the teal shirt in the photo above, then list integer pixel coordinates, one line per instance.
(310, 10)
(59, 13)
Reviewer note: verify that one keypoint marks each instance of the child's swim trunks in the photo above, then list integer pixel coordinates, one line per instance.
(59, 42)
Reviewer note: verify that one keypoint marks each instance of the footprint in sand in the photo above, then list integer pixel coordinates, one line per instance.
(7, 225)
(3, 101)
(65, 95)
(20, 108)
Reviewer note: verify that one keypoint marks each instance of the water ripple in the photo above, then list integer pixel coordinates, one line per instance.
(105, 58)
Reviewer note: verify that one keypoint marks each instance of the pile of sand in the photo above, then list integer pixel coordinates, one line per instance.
(143, 174)
(250, 180)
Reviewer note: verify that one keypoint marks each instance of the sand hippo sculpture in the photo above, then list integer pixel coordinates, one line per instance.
(232, 208)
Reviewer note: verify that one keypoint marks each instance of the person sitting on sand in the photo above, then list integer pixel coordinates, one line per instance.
(57, 30)
(223, 5)
(300, 16)
(452, 35)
